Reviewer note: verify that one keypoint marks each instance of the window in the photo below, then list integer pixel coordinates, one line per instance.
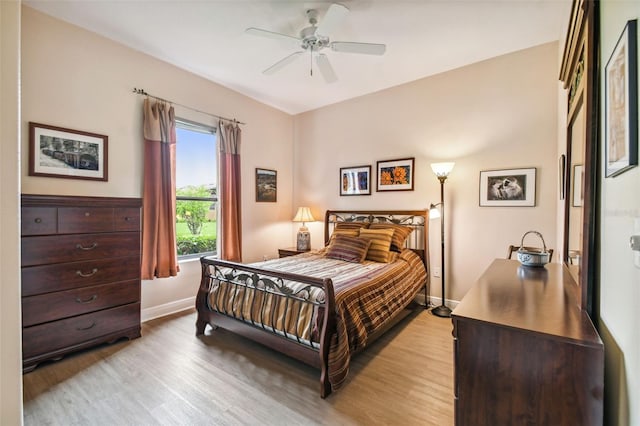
(196, 189)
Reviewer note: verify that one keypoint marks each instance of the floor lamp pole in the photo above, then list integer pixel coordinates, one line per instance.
(442, 310)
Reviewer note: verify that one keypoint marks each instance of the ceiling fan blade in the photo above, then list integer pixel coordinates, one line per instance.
(354, 47)
(282, 63)
(270, 34)
(326, 69)
(334, 17)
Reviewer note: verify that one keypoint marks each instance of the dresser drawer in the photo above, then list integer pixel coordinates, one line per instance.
(60, 334)
(127, 219)
(66, 248)
(64, 304)
(39, 220)
(66, 276)
(73, 220)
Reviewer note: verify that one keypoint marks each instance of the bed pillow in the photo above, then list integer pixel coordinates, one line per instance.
(351, 225)
(347, 228)
(380, 243)
(400, 234)
(349, 248)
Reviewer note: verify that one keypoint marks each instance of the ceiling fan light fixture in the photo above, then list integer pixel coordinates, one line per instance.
(315, 38)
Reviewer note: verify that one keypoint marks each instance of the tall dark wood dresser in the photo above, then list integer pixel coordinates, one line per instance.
(80, 274)
(524, 351)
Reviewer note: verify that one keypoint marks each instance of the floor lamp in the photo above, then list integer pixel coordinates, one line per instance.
(442, 171)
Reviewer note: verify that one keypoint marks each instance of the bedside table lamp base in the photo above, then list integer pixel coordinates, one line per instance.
(304, 239)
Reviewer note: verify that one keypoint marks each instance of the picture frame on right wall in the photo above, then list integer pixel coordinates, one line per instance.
(508, 188)
(621, 103)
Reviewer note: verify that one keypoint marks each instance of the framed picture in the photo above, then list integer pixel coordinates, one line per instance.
(65, 153)
(578, 179)
(562, 175)
(355, 180)
(266, 186)
(395, 175)
(621, 104)
(508, 188)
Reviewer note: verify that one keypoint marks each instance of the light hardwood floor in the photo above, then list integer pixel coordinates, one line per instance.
(171, 377)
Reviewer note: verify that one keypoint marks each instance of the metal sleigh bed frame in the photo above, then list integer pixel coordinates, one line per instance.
(296, 292)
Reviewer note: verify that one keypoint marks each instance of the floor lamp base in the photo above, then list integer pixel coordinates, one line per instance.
(441, 311)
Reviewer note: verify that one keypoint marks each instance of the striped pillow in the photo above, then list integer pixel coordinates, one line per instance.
(351, 225)
(348, 232)
(400, 234)
(345, 247)
(380, 243)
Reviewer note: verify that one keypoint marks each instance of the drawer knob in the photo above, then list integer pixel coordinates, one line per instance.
(89, 300)
(127, 218)
(87, 214)
(37, 220)
(91, 247)
(93, 324)
(82, 274)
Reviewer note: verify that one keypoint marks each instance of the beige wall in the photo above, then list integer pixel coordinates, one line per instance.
(76, 79)
(10, 325)
(619, 278)
(496, 114)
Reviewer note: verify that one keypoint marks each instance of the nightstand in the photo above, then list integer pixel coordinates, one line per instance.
(290, 251)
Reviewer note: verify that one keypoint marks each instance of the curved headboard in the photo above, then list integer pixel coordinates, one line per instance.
(418, 240)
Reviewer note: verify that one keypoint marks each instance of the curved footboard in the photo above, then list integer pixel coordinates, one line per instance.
(293, 314)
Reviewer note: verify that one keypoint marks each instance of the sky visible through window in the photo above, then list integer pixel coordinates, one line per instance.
(195, 159)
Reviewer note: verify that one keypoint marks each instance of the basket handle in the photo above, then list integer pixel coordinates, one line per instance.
(544, 245)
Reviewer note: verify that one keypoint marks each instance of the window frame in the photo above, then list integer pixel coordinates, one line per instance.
(194, 126)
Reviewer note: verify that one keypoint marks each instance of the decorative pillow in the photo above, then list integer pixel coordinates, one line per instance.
(351, 225)
(345, 247)
(353, 232)
(380, 243)
(400, 234)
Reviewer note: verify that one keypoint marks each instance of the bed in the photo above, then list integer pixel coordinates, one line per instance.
(318, 307)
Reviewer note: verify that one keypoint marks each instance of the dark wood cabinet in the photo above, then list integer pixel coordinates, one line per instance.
(80, 274)
(524, 351)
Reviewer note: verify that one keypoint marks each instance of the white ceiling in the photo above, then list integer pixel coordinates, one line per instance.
(423, 37)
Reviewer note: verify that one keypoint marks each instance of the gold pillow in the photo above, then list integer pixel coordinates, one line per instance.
(400, 234)
(380, 243)
(353, 232)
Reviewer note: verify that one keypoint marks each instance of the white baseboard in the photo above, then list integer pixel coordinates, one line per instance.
(436, 301)
(167, 309)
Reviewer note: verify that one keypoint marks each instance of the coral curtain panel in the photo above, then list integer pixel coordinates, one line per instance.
(230, 246)
(159, 255)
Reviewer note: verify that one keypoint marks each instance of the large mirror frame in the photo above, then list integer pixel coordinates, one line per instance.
(579, 75)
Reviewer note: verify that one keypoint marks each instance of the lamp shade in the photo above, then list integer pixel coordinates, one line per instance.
(434, 211)
(442, 169)
(303, 215)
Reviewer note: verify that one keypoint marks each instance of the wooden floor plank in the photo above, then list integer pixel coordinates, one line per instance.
(171, 377)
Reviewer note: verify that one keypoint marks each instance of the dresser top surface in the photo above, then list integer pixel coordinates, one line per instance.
(536, 300)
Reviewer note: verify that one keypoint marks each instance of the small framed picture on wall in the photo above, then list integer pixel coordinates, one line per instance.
(355, 180)
(266, 186)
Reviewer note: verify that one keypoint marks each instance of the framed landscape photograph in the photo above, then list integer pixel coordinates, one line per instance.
(66, 153)
(266, 186)
(621, 104)
(355, 180)
(508, 188)
(395, 175)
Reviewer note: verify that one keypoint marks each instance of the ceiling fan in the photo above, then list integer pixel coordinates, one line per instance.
(315, 38)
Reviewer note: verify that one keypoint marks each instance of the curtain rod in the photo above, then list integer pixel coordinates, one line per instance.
(142, 92)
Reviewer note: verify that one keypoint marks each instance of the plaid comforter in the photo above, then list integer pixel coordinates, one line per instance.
(367, 295)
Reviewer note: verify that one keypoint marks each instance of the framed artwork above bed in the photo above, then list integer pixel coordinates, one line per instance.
(355, 180)
(395, 175)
